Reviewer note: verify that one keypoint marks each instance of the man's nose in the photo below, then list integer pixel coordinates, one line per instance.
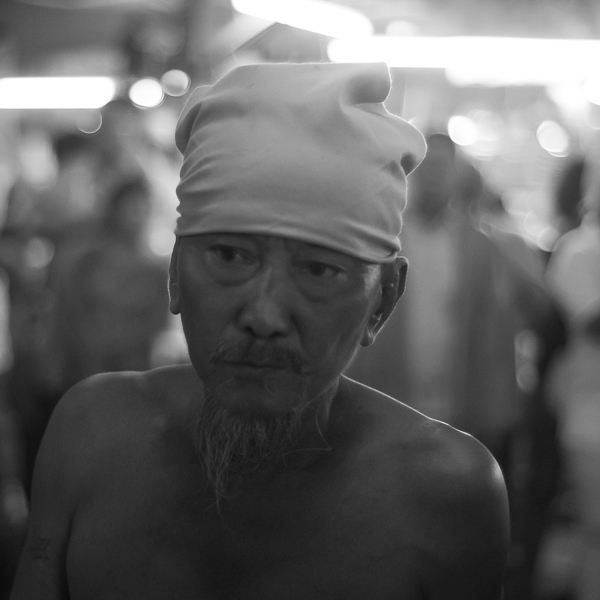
(266, 309)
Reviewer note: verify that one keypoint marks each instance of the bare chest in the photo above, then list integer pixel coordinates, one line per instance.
(157, 537)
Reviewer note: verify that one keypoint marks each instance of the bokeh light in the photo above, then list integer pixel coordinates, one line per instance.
(147, 93)
(175, 82)
(553, 138)
(462, 130)
(89, 121)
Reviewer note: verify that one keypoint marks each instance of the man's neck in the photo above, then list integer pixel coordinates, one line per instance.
(314, 438)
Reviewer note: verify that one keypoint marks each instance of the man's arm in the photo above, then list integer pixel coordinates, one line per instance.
(467, 524)
(56, 480)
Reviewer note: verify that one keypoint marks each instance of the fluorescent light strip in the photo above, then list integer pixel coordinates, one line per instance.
(318, 16)
(56, 92)
(478, 59)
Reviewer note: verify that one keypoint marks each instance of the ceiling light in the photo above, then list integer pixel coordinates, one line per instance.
(56, 92)
(410, 52)
(478, 60)
(318, 16)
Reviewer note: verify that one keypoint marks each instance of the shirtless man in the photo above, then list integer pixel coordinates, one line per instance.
(259, 471)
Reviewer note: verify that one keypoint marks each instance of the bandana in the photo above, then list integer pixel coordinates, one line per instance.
(303, 151)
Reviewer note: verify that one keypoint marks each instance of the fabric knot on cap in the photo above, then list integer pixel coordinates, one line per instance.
(304, 151)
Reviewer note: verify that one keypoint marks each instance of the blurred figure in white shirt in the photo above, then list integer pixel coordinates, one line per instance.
(574, 275)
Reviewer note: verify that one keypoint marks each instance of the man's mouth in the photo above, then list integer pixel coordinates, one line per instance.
(254, 364)
(258, 358)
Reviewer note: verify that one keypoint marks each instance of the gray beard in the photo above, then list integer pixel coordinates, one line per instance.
(228, 445)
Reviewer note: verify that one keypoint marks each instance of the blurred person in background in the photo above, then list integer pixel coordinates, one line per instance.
(110, 293)
(123, 143)
(92, 263)
(129, 147)
(533, 463)
(450, 352)
(99, 202)
(21, 282)
(40, 219)
(573, 274)
(13, 501)
(47, 229)
(66, 207)
(568, 198)
(474, 288)
(103, 305)
(259, 470)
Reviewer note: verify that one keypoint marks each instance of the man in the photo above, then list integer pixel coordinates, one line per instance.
(259, 471)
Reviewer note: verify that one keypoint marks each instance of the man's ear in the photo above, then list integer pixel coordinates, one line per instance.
(174, 301)
(393, 283)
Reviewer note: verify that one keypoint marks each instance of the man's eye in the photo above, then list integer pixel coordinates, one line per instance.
(318, 269)
(229, 254)
(230, 265)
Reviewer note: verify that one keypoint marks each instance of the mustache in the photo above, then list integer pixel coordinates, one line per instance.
(259, 353)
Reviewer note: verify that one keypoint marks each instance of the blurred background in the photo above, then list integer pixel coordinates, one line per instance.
(90, 92)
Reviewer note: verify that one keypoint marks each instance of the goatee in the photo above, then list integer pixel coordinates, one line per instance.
(229, 445)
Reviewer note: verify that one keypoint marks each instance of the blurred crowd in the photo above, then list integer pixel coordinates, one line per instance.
(493, 335)
(83, 287)
(500, 338)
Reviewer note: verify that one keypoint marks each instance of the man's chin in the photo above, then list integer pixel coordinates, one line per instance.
(249, 438)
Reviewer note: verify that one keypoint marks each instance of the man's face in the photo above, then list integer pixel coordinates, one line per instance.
(270, 322)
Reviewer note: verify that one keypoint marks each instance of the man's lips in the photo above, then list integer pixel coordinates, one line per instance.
(253, 357)
(253, 365)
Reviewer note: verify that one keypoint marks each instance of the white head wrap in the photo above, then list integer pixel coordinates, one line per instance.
(304, 151)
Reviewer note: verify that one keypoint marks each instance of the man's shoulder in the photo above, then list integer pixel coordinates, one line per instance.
(107, 408)
(447, 491)
(443, 461)
(124, 390)
(455, 467)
